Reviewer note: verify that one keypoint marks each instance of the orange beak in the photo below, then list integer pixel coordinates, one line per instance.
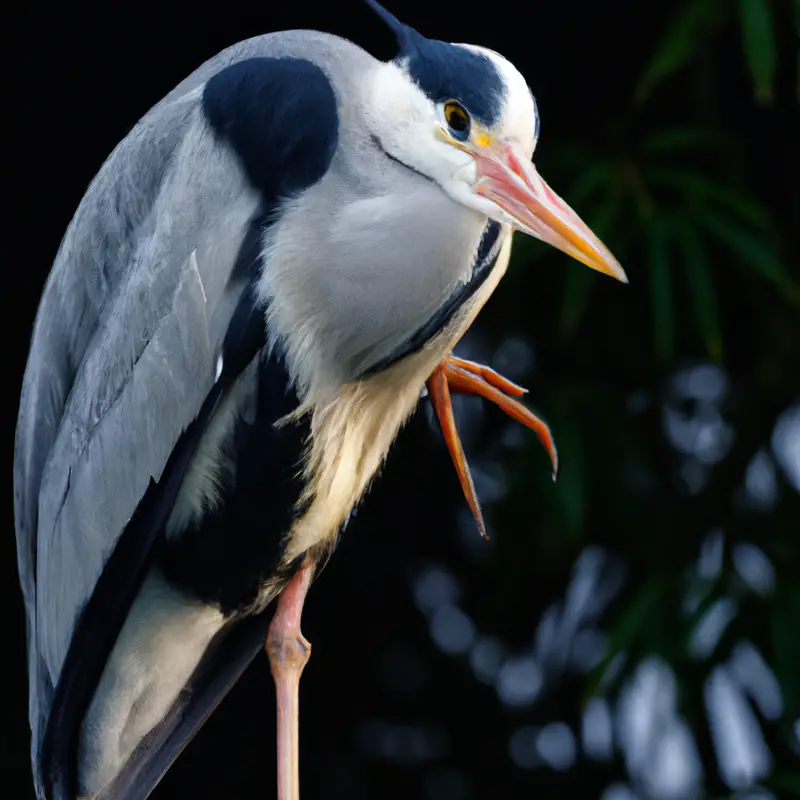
(511, 182)
(519, 196)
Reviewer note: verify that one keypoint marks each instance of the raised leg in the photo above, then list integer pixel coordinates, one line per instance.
(288, 652)
(465, 377)
(439, 391)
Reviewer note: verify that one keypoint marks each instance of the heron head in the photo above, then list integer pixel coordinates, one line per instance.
(464, 117)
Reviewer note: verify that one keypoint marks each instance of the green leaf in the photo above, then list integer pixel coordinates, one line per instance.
(633, 619)
(725, 195)
(711, 593)
(526, 250)
(679, 45)
(579, 280)
(578, 285)
(596, 177)
(683, 138)
(786, 650)
(661, 290)
(753, 252)
(701, 289)
(568, 157)
(787, 783)
(758, 40)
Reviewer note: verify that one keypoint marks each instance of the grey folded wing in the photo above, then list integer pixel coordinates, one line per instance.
(125, 350)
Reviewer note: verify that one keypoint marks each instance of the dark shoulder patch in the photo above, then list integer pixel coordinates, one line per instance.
(280, 116)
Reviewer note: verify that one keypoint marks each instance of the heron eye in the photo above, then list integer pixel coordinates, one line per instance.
(457, 119)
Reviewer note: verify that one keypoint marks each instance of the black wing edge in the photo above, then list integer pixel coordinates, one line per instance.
(102, 617)
(136, 549)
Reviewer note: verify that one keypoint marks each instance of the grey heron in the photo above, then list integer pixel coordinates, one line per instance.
(248, 303)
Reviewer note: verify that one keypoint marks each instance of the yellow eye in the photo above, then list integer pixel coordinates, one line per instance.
(457, 119)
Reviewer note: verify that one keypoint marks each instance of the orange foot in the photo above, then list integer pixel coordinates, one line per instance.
(465, 377)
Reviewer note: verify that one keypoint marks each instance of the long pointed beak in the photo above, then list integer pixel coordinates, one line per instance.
(511, 182)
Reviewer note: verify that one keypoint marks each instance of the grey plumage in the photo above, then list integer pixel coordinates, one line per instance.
(137, 337)
(243, 313)
(131, 321)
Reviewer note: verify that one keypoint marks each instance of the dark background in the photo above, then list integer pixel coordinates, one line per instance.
(631, 631)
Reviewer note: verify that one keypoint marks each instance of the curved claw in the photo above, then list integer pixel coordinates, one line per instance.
(488, 374)
(440, 398)
(473, 381)
(465, 377)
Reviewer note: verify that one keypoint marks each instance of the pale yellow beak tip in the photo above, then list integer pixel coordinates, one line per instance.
(607, 265)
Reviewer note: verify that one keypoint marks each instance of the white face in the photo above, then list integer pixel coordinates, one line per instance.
(519, 117)
(487, 168)
(415, 130)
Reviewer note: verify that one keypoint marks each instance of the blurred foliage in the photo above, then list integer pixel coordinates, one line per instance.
(662, 570)
(678, 198)
(697, 23)
(709, 246)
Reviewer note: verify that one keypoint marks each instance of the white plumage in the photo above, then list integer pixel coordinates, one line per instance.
(248, 304)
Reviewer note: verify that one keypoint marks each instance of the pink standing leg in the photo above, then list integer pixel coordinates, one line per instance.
(288, 652)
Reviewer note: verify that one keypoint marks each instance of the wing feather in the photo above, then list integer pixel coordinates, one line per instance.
(118, 371)
(133, 321)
